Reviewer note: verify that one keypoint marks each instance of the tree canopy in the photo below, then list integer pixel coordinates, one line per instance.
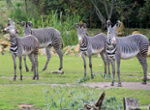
(134, 13)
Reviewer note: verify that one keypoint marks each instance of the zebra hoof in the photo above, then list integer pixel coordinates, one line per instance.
(37, 78)
(20, 77)
(34, 77)
(14, 78)
(119, 85)
(112, 84)
(144, 82)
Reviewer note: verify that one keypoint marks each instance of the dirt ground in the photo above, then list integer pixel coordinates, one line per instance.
(128, 85)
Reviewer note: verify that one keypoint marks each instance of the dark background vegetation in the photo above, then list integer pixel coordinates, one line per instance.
(63, 14)
(134, 13)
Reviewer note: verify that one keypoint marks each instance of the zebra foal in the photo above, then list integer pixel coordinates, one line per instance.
(125, 48)
(22, 46)
(91, 45)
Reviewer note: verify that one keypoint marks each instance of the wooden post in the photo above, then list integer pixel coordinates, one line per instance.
(131, 104)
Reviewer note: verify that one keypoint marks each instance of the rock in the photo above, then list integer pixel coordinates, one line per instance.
(148, 53)
(136, 32)
(77, 48)
(6, 36)
(120, 29)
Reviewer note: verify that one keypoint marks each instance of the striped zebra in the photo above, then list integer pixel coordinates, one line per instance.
(91, 45)
(11, 22)
(22, 46)
(125, 48)
(47, 37)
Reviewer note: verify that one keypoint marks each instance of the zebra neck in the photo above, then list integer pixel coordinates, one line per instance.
(84, 44)
(111, 50)
(14, 45)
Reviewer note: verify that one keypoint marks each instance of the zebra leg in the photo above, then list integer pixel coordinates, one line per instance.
(48, 58)
(32, 68)
(36, 66)
(143, 62)
(84, 61)
(15, 66)
(25, 63)
(105, 64)
(118, 72)
(60, 54)
(31, 56)
(90, 65)
(113, 72)
(20, 67)
(108, 67)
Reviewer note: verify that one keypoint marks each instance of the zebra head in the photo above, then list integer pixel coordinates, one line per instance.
(10, 22)
(81, 30)
(27, 27)
(10, 27)
(111, 32)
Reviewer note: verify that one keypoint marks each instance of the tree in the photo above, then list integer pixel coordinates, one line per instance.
(104, 13)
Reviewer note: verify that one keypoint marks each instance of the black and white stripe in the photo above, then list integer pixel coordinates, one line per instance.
(84, 44)
(111, 50)
(20, 46)
(48, 37)
(90, 45)
(126, 47)
(14, 47)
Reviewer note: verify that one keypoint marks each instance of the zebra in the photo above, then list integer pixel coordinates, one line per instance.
(125, 48)
(91, 45)
(11, 22)
(47, 37)
(22, 46)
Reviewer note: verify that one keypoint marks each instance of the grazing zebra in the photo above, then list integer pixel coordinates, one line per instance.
(20, 46)
(47, 37)
(125, 48)
(90, 45)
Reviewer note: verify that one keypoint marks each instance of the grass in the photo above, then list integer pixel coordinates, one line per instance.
(73, 67)
(45, 97)
(56, 98)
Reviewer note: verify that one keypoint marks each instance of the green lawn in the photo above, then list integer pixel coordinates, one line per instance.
(73, 67)
(43, 97)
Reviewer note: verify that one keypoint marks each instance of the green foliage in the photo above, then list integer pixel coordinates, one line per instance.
(18, 13)
(112, 103)
(64, 25)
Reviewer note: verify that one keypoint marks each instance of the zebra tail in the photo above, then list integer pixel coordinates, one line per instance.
(62, 43)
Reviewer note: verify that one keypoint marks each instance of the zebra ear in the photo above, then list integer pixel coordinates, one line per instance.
(108, 23)
(10, 22)
(84, 25)
(117, 25)
(76, 25)
(29, 23)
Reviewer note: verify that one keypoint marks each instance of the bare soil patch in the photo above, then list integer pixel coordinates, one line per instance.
(26, 107)
(128, 85)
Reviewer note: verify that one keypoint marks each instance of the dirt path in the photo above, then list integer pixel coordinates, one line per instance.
(101, 85)
(128, 85)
